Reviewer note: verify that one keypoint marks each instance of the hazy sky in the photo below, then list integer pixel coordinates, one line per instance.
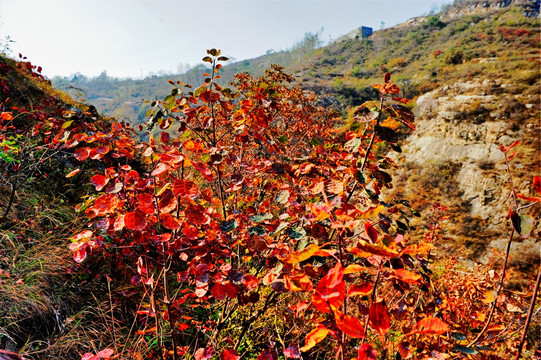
(134, 37)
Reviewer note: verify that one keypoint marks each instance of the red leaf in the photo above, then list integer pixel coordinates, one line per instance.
(229, 354)
(160, 169)
(371, 232)
(523, 197)
(204, 353)
(185, 188)
(82, 154)
(146, 203)
(105, 353)
(537, 184)
(315, 336)
(379, 317)
(80, 255)
(292, 351)
(349, 325)
(99, 181)
(331, 290)
(203, 169)
(171, 157)
(135, 220)
(265, 355)
(169, 222)
(165, 137)
(432, 326)
(250, 282)
(366, 352)
(190, 231)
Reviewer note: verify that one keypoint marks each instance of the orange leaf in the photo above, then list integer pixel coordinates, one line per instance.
(315, 336)
(73, 173)
(362, 289)
(407, 276)
(489, 297)
(335, 187)
(6, 116)
(376, 249)
(146, 331)
(432, 326)
(354, 268)
(301, 255)
(416, 249)
(496, 328)
(298, 283)
(370, 213)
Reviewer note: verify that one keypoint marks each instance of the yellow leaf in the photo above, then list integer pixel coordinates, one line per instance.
(489, 297)
(66, 124)
(370, 213)
(315, 336)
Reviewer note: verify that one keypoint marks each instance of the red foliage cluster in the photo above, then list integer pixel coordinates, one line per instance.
(251, 203)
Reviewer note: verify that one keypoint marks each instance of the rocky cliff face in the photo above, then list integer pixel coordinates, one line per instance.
(464, 124)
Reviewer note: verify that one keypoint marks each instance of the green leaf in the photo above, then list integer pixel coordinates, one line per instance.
(522, 223)
(223, 58)
(257, 230)
(359, 176)
(207, 59)
(282, 139)
(415, 213)
(314, 142)
(228, 225)
(199, 90)
(213, 52)
(355, 126)
(458, 336)
(465, 350)
(260, 217)
(297, 232)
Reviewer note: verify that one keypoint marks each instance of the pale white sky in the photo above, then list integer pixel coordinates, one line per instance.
(130, 37)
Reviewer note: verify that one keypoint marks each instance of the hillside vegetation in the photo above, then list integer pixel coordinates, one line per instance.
(475, 69)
